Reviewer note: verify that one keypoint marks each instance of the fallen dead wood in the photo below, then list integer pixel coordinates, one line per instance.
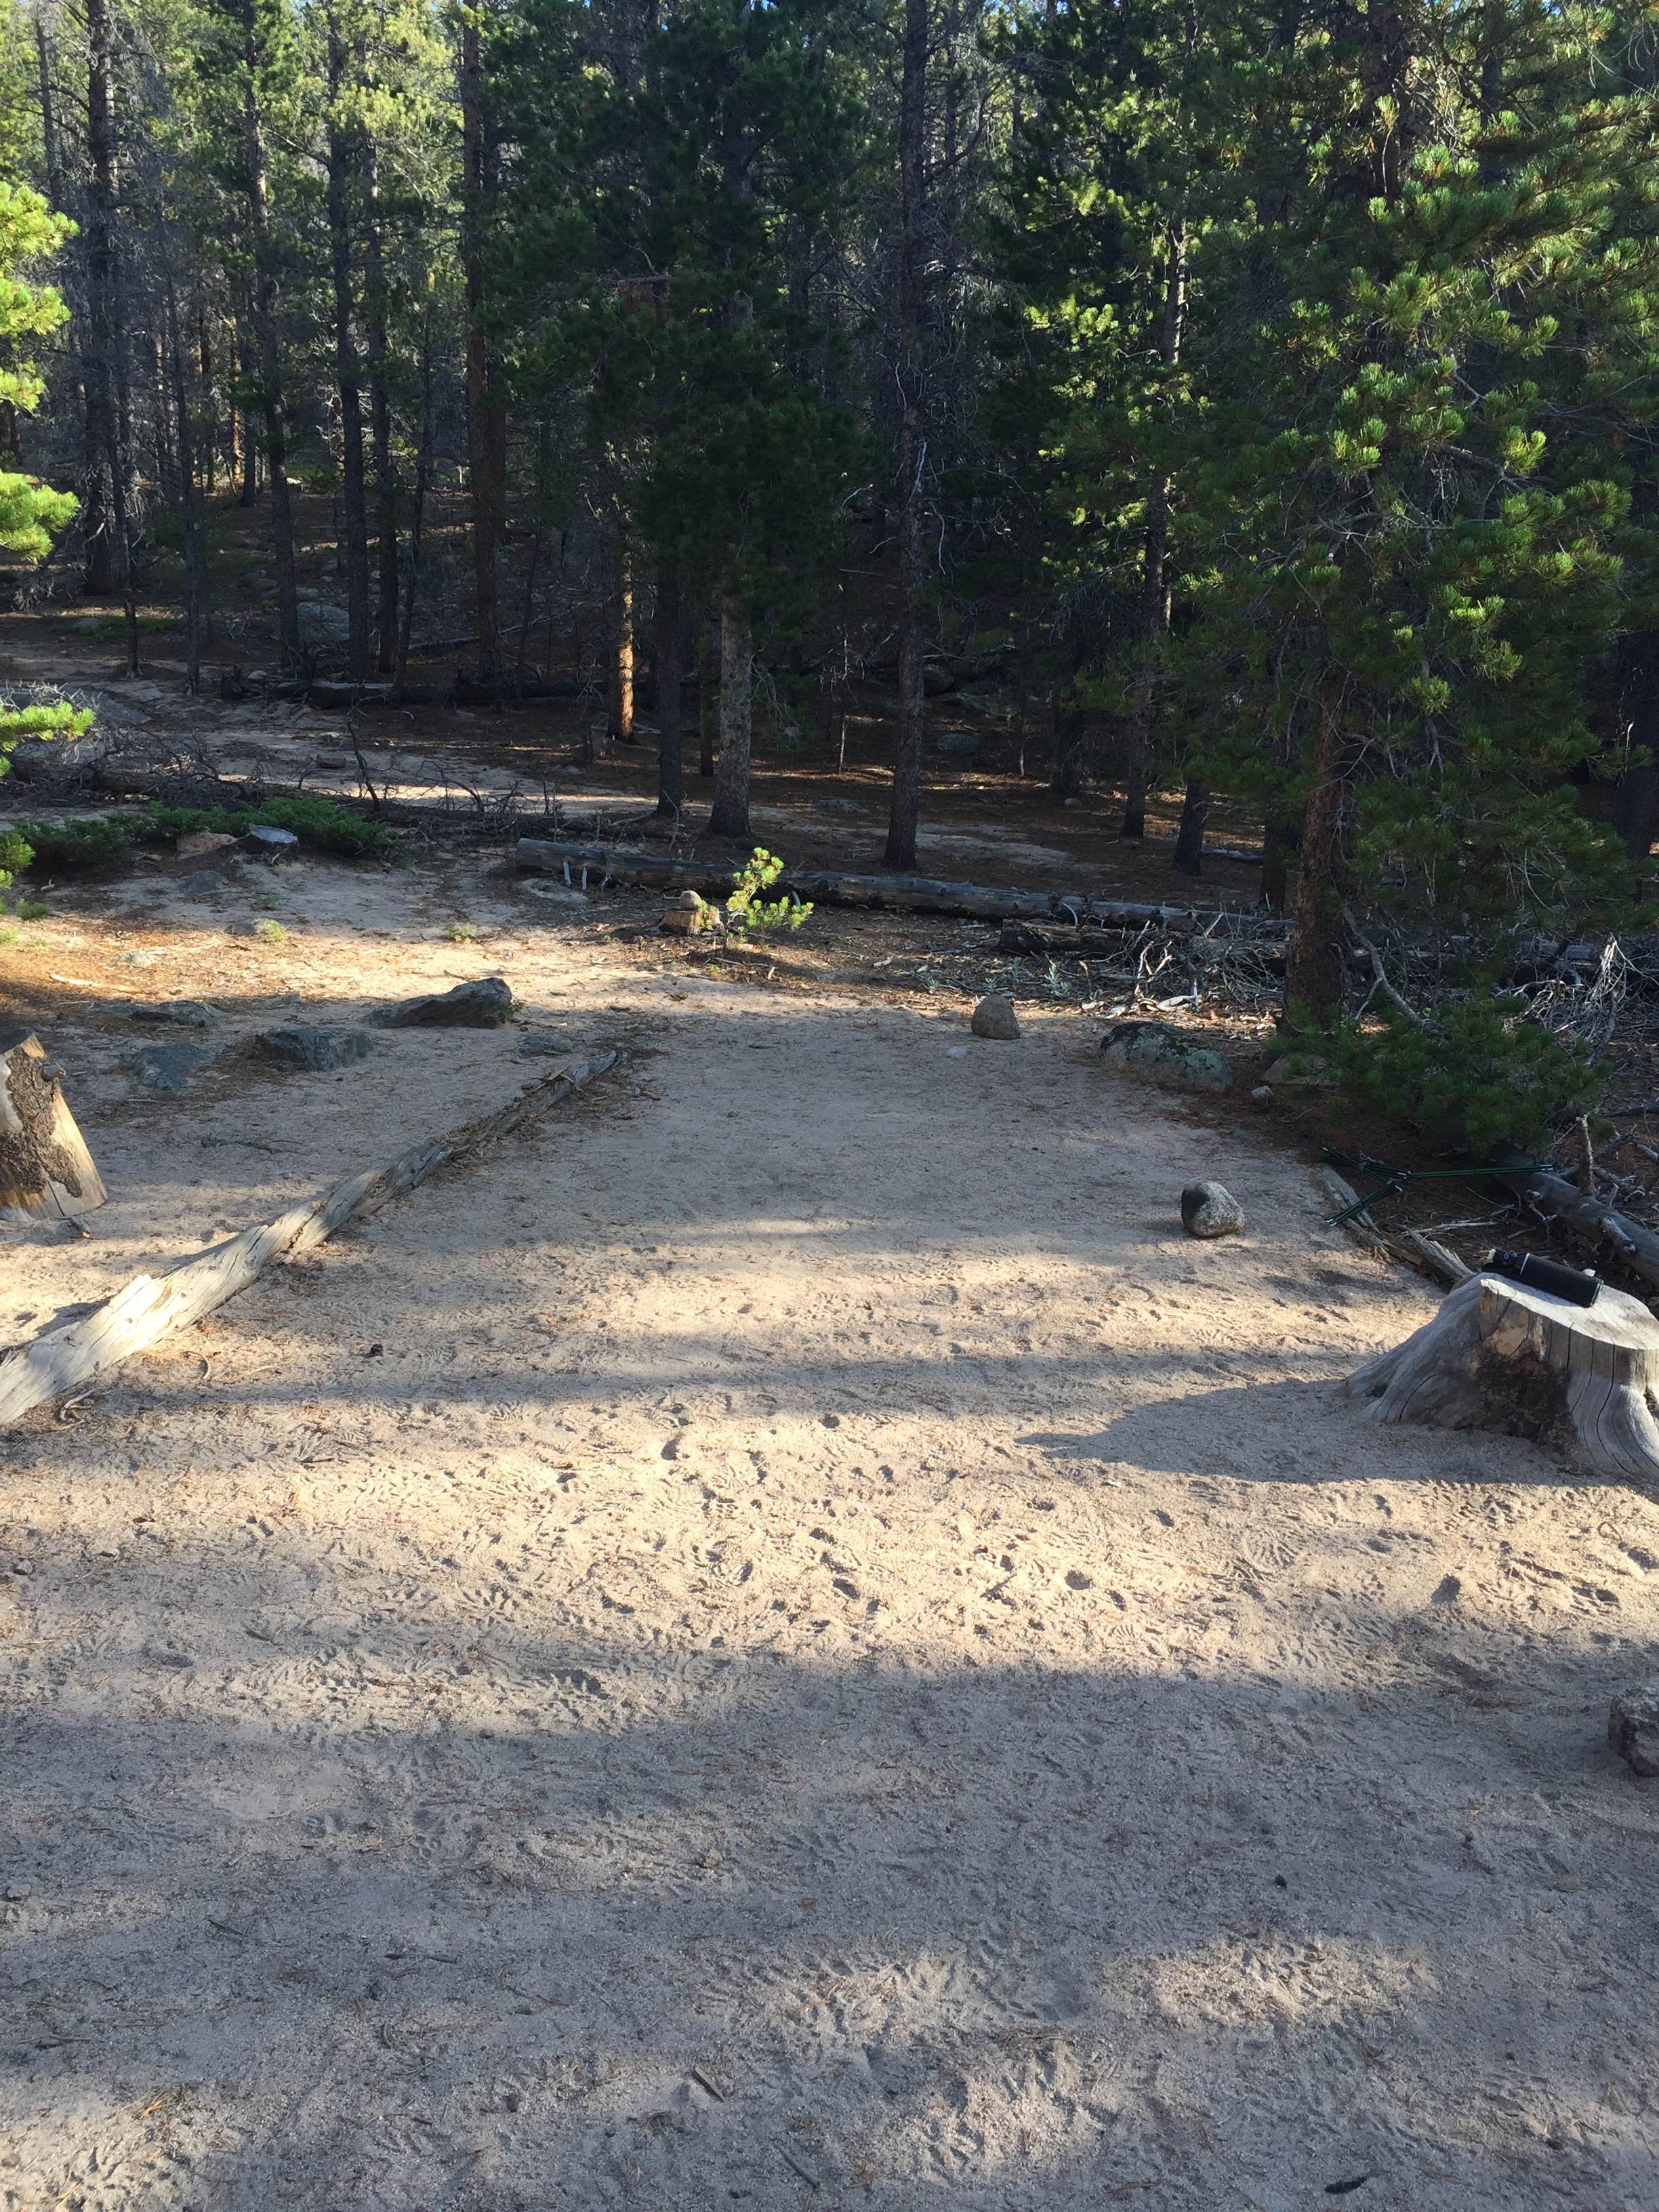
(1405, 1245)
(902, 894)
(46, 1172)
(69, 1355)
(1601, 1228)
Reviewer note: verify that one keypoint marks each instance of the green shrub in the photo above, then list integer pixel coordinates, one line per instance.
(317, 823)
(270, 932)
(15, 853)
(81, 846)
(1475, 1073)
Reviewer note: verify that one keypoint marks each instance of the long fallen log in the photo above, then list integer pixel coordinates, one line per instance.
(67, 1356)
(899, 894)
(1602, 1229)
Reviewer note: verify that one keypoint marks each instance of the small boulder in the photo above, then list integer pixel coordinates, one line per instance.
(202, 883)
(184, 1013)
(994, 1017)
(1154, 1053)
(1633, 1729)
(1207, 1209)
(313, 1045)
(483, 1005)
(169, 1067)
(546, 1044)
(266, 842)
(957, 744)
(689, 916)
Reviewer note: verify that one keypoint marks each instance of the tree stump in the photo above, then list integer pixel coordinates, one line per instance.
(1501, 1355)
(45, 1169)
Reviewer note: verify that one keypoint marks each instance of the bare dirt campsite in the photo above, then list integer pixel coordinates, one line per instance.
(778, 1634)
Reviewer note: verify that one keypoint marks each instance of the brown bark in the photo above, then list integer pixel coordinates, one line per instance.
(98, 504)
(482, 445)
(905, 811)
(344, 164)
(619, 718)
(45, 1169)
(1155, 589)
(670, 734)
(268, 341)
(379, 415)
(1190, 838)
(729, 816)
(1313, 962)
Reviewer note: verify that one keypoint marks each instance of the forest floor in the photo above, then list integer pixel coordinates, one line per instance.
(783, 1639)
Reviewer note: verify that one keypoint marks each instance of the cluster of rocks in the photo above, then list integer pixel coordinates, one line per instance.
(320, 1046)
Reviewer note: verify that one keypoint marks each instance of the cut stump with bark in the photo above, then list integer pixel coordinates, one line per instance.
(46, 1171)
(1502, 1355)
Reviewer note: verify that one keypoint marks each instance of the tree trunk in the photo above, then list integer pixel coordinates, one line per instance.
(1190, 838)
(905, 812)
(708, 701)
(98, 505)
(482, 445)
(671, 779)
(1155, 589)
(729, 816)
(51, 156)
(45, 1169)
(1313, 963)
(620, 700)
(380, 416)
(422, 469)
(344, 158)
(267, 340)
(188, 515)
(1278, 848)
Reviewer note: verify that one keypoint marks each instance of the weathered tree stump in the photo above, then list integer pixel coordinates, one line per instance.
(1501, 1355)
(45, 1169)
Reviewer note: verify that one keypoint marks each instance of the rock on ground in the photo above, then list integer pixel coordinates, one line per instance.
(546, 1044)
(994, 1017)
(483, 1005)
(168, 1066)
(1157, 1054)
(183, 1013)
(1209, 1209)
(313, 1045)
(1633, 1729)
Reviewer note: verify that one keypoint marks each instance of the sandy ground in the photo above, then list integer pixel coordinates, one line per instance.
(785, 1640)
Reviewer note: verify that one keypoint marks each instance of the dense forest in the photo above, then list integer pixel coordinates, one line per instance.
(1260, 398)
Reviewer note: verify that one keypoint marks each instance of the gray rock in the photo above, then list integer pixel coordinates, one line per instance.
(184, 1013)
(840, 806)
(202, 883)
(323, 626)
(312, 1045)
(994, 1017)
(40, 760)
(555, 893)
(1207, 1209)
(168, 1066)
(1157, 1054)
(1633, 1729)
(270, 843)
(957, 744)
(483, 1005)
(547, 1044)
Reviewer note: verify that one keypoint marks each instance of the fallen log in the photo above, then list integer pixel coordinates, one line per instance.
(1502, 1355)
(1601, 1228)
(829, 887)
(67, 1356)
(46, 1173)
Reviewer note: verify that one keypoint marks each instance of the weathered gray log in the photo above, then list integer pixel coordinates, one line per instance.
(1502, 1355)
(828, 887)
(1601, 1228)
(46, 1171)
(68, 1356)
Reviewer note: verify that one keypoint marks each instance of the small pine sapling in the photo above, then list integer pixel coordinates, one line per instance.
(747, 908)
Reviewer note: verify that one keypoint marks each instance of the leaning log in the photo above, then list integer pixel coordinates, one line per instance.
(68, 1356)
(896, 894)
(46, 1172)
(1411, 1249)
(1504, 1355)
